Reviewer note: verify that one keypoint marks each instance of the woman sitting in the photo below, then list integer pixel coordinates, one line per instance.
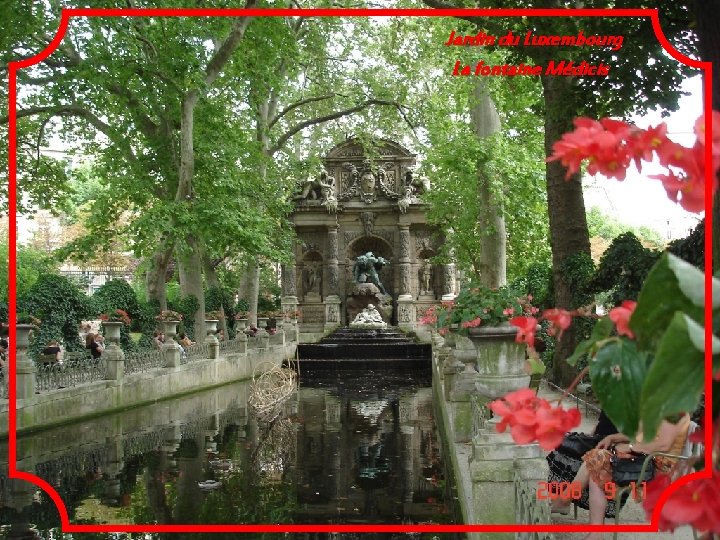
(597, 471)
(93, 346)
(51, 353)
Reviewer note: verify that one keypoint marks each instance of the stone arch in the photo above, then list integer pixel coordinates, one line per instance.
(379, 247)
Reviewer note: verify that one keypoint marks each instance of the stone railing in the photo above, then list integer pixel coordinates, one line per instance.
(73, 390)
(72, 372)
(530, 511)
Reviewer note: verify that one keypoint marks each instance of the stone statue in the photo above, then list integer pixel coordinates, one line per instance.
(321, 189)
(426, 274)
(312, 277)
(366, 269)
(368, 318)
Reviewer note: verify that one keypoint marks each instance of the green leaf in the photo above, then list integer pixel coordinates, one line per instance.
(675, 379)
(671, 286)
(602, 330)
(618, 373)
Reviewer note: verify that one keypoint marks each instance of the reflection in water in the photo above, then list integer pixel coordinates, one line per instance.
(351, 447)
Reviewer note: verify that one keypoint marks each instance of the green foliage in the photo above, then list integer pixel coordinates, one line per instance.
(491, 306)
(116, 294)
(30, 264)
(661, 373)
(692, 247)
(623, 268)
(60, 306)
(609, 228)
(145, 323)
(578, 271)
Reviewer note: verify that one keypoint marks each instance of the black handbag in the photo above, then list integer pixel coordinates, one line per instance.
(577, 444)
(627, 470)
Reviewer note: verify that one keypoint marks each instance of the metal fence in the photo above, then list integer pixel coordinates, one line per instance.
(234, 345)
(199, 351)
(144, 360)
(73, 371)
(530, 511)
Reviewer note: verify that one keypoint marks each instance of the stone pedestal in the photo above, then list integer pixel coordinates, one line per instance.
(211, 339)
(24, 367)
(171, 349)
(406, 312)
(493, 464)
(114, 362)
(332, 312)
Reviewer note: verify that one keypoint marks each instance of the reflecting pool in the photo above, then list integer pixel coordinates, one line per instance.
(351, 446)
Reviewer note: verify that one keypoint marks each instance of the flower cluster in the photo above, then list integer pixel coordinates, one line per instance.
(696, 503)
(560, 319)
(213, 315)
(169, 315)
(241, 315)
(533, 419)
(118, 315)
(610, 146)
(482, 305)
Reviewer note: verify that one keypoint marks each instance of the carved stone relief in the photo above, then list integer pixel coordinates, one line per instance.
(368, 222)
(405, 313)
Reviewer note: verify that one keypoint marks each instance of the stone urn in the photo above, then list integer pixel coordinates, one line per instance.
(22, 336)
(211, 326)
(241, 324)
(112, 331)
(262, 322)
(169, 328)
(500, 360)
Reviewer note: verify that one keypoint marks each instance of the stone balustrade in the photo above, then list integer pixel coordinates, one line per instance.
(61, 393)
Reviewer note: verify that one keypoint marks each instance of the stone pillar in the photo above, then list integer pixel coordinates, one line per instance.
(332, 261)
(24, 367)
(405, 304)
(448, 289)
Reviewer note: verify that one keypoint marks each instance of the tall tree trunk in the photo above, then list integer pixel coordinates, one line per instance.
(493, 241)
(155, 276)
(191, 283)
(707, 17)
(213, 282)
(253, 292)
(566, 210)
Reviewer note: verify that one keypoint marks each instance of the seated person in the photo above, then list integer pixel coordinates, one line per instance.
(252, 330)
(4, 345)
(185, 341)
(93, 346)
(53, 348)
(157, 340)
(596, 470)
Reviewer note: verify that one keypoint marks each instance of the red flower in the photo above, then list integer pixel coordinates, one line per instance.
(531, 418)
(472, 324)
(526, 329)
(696, 503)
(559, 318)
(621, 317)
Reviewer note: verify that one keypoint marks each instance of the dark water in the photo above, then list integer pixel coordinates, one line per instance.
(352, 447)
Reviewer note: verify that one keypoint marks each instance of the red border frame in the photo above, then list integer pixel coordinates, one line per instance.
(389, 12)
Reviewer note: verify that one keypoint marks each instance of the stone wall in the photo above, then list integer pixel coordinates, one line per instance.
(70, 404)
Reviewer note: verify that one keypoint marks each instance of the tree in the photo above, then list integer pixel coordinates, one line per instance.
(633, 84)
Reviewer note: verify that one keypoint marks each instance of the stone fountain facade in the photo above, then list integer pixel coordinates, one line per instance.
(359, 204)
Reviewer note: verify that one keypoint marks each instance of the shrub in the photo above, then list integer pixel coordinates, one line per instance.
(61, 306)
